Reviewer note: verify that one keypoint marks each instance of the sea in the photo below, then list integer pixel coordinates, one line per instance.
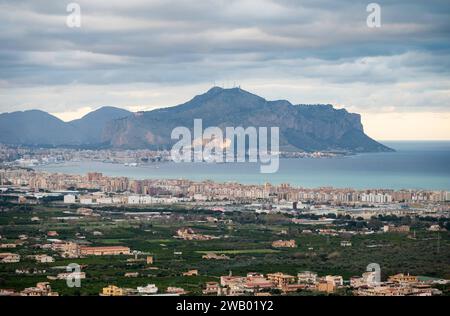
(414, 165)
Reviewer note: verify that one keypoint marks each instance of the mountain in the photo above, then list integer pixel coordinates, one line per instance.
(35, 127)
(91, 125)
(302, 127)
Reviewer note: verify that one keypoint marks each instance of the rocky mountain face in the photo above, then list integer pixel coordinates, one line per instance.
(302, 127)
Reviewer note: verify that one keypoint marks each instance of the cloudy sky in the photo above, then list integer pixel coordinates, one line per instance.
(145, 54)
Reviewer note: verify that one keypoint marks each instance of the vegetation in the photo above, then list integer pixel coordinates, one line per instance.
(245, 237)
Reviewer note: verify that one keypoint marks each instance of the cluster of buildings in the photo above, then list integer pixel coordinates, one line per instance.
(24, 156)
(365, 285)
(121, 190)
(41, 289)
(148, 290)
(104, 251)
(215, 256)
(67, 249)
(28, 157)
(8, 257)
(259, 284)
(396, 229)
(100, 198)
(43, 258)
(190, 234)
(396, 285)
(284, 244)
(70, 249)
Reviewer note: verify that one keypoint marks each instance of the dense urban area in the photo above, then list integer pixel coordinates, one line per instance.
(120, 236)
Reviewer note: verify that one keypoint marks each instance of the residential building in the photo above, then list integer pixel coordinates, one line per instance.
(403, 278)
(280, 279)
(191, 273)
(149, 289)
(8, 257)
(112, 290)
(326, 286)
(337, 280)
(212, 288)
(284, 244)
(307, 277)
(104, 251)
(44, 259)
(41, 289)
(71, 275)
(176, 290)
(214, 256)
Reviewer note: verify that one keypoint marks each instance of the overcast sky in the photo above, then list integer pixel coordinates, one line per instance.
(145, 54)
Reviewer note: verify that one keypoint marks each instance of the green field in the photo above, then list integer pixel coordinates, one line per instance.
(245, 237)
(240, 252)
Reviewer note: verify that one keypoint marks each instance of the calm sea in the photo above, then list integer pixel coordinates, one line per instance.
(414, 165)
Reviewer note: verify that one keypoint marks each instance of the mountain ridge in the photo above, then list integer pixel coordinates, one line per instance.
(303, 127)
(38, 127)
(92, 124)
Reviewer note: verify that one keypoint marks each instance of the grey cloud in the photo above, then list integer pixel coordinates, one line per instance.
(169, 42)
